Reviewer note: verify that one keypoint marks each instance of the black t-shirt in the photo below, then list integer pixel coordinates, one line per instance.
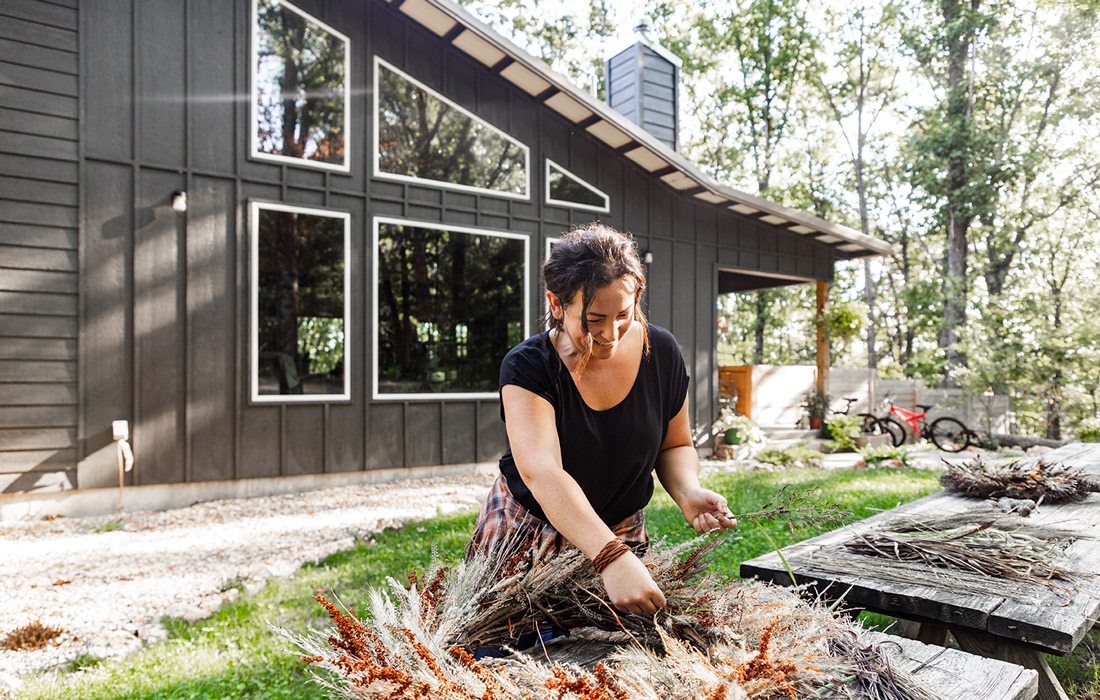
(611, 454)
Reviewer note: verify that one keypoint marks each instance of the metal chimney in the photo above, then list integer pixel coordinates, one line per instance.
(643, 84)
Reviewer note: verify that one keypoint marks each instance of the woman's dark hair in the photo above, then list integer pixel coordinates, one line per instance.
(589, 257)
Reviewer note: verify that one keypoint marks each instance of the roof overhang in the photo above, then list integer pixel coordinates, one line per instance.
(469, 34)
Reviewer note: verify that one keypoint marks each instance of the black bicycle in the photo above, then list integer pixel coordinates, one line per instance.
(869, 423)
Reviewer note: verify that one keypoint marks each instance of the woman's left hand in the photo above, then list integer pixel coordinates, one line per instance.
(707, 511)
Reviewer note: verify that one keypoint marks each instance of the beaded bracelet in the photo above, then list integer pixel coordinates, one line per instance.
(610, 552)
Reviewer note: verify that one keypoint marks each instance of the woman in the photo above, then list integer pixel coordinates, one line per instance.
(592, 406)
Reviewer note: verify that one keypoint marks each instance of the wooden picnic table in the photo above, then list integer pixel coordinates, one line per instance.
(1014, 628)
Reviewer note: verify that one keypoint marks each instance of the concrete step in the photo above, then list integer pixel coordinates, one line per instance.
(785, 433)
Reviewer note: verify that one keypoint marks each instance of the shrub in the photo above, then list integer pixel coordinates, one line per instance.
(885, 455)
(1089, 430)
(798, 456)
(844, 430)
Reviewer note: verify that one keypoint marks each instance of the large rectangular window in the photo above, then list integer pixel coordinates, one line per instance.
(299, 303)
(449, 303)
(300, 88)
(421, 135)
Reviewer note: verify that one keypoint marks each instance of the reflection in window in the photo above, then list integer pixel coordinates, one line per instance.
(300, 306)
(450, 306)
(565, 188)
(299, 87)
(424, 136)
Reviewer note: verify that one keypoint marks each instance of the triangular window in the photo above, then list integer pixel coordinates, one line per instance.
(566, 189)
(421, 135)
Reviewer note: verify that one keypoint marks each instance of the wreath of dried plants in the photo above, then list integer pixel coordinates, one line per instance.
(716, 639)
(1040, 481)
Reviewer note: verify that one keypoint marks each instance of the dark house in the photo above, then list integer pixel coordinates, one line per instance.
(286, 240)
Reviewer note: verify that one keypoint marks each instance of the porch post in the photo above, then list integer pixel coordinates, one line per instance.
(822, 338)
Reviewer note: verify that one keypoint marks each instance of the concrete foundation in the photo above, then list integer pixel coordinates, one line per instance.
(102, 501)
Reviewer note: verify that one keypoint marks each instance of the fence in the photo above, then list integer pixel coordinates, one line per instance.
(778, 392)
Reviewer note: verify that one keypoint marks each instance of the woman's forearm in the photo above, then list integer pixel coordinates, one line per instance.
(678, 470)
(568, 510)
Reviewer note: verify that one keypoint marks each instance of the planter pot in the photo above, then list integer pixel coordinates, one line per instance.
(816, 423)
(731, 437)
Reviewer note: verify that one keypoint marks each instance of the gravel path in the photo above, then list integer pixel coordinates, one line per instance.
(108, 580)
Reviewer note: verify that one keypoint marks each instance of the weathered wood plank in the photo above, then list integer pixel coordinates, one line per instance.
(39, 34)
(1047, 619)
(37, 460)
(37, 303)
(37, 416)
(37, 371)
(158, 333)
(38, 326)
(38, 236)
(989, 646)
(25, 190)
(38, 481)
(37, 438)
(23, 258)
(41, 13)
(38, 168)
(33, 101)
(38, 146)
(29, 394)
(108, 80)
(34, 213)
(211, 328)
(38, 281)
(15, 51)
(37, 348)
(38, 79)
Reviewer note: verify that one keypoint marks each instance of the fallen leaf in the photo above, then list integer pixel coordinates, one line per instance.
(62, 581)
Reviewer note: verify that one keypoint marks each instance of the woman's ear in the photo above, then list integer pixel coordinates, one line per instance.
(556, 309)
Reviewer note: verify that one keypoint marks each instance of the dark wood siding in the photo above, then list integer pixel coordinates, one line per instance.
(39, 208)
(160, 334)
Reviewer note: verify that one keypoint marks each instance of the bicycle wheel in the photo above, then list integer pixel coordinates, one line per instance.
(949, 434)
(895, 428)
(869, 424)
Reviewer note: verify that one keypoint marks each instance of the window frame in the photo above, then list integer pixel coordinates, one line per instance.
(580, 181)
(377, 222)
(376, 171)
(254, 208)
(254, 153)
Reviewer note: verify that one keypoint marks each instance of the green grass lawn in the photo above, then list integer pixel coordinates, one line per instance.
(234, 654)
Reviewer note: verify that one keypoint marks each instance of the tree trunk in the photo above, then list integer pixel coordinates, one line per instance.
(959, 216)
(761, 326)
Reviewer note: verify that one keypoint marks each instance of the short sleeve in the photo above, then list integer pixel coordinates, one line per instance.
(675, 372)
(527, 366)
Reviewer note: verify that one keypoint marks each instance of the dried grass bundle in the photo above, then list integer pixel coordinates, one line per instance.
(1046, 481)
(974, 549)
(715, 639)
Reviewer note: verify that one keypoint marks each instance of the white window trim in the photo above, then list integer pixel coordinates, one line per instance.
(606, 208)
(378, 173)
(253, 151)
(378, 221)
(254, 293)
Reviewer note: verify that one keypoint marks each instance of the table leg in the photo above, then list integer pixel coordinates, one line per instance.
(932, 633)
(991, 646)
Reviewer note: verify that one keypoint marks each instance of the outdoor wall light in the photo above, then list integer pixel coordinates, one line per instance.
(179, 201)
(647, 257)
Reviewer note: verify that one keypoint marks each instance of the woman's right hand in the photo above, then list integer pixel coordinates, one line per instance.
(630, 587)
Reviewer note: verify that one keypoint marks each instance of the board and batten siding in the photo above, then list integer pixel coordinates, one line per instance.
(39, 204)
(164, 312)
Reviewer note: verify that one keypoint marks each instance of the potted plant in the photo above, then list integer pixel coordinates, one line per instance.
(817, 407)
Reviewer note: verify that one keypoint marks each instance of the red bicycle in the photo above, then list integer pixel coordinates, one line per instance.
(947, 433)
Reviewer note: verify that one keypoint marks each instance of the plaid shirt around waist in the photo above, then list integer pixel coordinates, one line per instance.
(504, 522)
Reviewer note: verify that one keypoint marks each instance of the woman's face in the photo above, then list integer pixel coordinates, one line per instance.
(610, 316)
